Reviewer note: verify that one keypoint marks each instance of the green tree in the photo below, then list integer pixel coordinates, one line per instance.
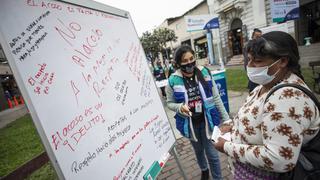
(165, 35)
(150, 45)
(156, 42)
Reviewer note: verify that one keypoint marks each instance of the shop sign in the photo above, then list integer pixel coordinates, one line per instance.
(284, 10)
(201, 22)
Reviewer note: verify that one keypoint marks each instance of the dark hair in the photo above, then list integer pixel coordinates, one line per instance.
(180, 52)
(276, 45)
(254, 31)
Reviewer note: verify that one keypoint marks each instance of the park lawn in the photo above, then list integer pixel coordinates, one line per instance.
(19, 141)
(45, 172)
(237, 78)
(307, 74)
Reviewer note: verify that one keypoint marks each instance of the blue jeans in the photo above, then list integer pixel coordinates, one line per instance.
(204, 145)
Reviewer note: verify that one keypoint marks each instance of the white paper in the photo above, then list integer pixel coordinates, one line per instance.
(217, 133)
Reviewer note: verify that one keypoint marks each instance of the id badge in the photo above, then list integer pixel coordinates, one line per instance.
(198, 107)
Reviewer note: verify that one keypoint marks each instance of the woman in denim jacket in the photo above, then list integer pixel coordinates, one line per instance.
(193, 95)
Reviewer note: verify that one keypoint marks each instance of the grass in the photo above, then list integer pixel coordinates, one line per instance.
(45, 172)
(307, 74)
(19, 141)
(237, 78)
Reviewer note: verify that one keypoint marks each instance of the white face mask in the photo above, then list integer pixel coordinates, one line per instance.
(260, 75)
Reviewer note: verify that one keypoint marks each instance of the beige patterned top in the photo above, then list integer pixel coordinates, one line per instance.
(269, 135)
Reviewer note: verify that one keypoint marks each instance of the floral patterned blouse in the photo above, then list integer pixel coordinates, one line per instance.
(269, 135)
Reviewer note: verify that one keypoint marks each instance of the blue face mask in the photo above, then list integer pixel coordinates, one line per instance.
(188, 68)
(260, 75)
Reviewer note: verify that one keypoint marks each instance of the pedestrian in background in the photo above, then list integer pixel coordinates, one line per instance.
(255, 34)
(267, 134)
(171, 68)
(7, 94)
(159, 74)
(193, 95)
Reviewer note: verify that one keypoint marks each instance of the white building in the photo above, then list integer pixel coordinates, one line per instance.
(237, 20)
(196, 39)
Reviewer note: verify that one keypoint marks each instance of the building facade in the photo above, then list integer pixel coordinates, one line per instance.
(237, 20)
(196, 39)
(308, 25)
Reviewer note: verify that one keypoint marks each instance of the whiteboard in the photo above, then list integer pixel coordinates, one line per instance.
(88, 87)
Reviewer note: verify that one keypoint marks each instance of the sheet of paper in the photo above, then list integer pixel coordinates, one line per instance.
(217, 133)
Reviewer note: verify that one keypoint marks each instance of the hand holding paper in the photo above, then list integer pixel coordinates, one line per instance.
(217, 133)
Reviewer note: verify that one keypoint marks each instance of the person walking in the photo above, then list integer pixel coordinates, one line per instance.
(270, 130)
(255, 34)
(193, 95)
(171, 68)
(159, 74)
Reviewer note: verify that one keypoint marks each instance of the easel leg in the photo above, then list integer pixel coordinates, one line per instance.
(174, 152)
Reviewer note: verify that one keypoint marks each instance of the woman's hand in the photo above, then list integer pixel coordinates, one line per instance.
(219, 145)
(225, 128)
(185, 109)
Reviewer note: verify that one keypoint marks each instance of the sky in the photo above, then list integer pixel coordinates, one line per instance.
(147, 14)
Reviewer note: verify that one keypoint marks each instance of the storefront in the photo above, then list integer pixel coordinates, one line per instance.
(235, 37)
(186, 42)
(201, 47)
(308, 25)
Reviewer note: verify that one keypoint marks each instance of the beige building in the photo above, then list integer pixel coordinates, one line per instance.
(196, 39)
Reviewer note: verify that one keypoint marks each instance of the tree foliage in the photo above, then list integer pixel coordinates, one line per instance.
(156, 42)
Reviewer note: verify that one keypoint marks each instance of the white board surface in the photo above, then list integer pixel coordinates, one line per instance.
(87, 84)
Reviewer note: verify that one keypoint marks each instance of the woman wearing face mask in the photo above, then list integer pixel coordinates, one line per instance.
(193, 95)
(267, 133)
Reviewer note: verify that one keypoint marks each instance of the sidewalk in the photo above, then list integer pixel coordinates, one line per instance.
(185, 151)
(9, 115)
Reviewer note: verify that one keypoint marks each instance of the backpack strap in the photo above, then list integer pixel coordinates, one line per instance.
(308, 93)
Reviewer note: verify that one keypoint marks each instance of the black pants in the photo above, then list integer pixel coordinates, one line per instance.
(163, 91)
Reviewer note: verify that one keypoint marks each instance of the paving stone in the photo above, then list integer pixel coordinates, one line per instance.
(164, 175)
(174, 176)
(189, 163)
(230, 177)
(168, 167)
(223, 165)
(225, 172)
(175, 170)
(196, 173)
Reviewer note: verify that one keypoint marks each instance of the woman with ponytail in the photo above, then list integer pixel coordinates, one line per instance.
(193, 95)
(273, 124)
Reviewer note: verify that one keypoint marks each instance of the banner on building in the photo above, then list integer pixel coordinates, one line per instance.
(201, 22)
(284, 10)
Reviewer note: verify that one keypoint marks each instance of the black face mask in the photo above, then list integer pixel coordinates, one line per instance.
(188, 68)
